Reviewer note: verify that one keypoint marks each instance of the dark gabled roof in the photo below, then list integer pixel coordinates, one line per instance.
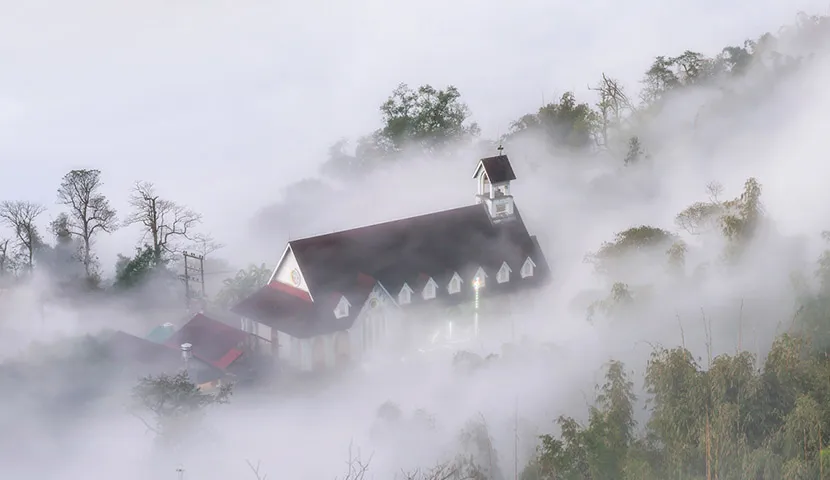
(212, 341)
(498, 169)
(350, 263)
(143, 357)
(272, 306)
(400, 251)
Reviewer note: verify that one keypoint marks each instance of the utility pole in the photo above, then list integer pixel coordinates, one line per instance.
(194, 271)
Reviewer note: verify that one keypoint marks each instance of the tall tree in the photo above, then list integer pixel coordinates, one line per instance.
(6, 260)
(612, 107)
(428, 117)
(565, 125)
(89, 211)
(164, 221)
(20, 216)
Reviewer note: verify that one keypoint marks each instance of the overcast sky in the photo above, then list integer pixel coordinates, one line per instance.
(220, 103)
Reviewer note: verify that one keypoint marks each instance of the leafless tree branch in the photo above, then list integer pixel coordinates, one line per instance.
(255, 470)
(20, 217)
(89, 210)
(163, 221)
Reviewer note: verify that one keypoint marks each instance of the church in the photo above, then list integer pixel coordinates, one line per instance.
(336, 298)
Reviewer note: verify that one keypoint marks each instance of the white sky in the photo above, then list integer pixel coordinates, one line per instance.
(222, 102)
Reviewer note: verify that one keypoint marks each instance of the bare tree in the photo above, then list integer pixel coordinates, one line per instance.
(613, 104)
(442, 471)
(5, 260)
(164, 221)
(255, 470)
(20, 217)
(204, 245)
(89, 210)
(357, 468)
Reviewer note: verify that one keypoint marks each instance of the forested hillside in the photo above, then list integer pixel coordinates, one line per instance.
(758, 412)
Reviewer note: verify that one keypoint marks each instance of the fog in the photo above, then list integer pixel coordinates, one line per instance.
(222, 105)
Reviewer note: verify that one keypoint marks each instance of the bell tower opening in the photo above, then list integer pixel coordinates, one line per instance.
(493, 176)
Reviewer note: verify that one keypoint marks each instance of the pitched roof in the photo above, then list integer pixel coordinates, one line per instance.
(400, 251)
(273, 306)
(213, 341)
(143, 357)
(161, 333)
(351, 262)
(498, 169)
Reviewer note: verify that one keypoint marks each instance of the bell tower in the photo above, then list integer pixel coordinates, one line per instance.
(493, 176)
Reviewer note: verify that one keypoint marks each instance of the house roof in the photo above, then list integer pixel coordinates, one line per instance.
(161, 333)
(143, 357)
(498, 169)
(349, 263)
(272, 306)
(212, 341)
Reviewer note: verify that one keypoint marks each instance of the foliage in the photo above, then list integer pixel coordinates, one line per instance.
(245, 283)
(428, 117)
(597, 450)
(174, 403)
(565, 125)
(135, 271)
(635, 242)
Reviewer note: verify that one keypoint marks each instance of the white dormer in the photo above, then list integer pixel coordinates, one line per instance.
(430, 289)
(480, 278)
(342, 308)
(527, 268)
(405, 295)
(455, 284)
(504, 273)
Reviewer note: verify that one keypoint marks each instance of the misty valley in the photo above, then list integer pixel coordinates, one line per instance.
(634, 286)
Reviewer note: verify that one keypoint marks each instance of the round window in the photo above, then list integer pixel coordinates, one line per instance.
(295, 277)
(373, 303)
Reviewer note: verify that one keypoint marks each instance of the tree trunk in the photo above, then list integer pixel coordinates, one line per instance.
(708, 449)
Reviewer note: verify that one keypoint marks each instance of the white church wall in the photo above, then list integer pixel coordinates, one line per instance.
(288, 271)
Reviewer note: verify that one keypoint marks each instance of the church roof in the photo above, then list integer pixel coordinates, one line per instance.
(402, 250)
(498, 169)
(411, 250)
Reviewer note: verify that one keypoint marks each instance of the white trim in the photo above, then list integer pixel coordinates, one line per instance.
(299, 268)
(430, 289)
(342, 308)
(481, 276)
(405, 288)
(504, 273)
(527, 268)
(389, 295)
(282, 257)
(480, 166)
(457, 281)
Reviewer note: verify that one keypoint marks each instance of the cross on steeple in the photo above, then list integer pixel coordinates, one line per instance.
(501, 150)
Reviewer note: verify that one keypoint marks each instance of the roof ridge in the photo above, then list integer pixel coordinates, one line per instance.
(386, 222)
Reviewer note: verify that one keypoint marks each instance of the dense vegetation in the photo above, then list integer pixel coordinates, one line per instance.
(731, 416)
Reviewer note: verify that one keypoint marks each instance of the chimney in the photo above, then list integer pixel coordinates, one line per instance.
(186, 351)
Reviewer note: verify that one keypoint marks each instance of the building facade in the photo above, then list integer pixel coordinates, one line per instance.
(337, 298)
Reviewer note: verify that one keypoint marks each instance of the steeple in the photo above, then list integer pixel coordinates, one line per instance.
(493, 176)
